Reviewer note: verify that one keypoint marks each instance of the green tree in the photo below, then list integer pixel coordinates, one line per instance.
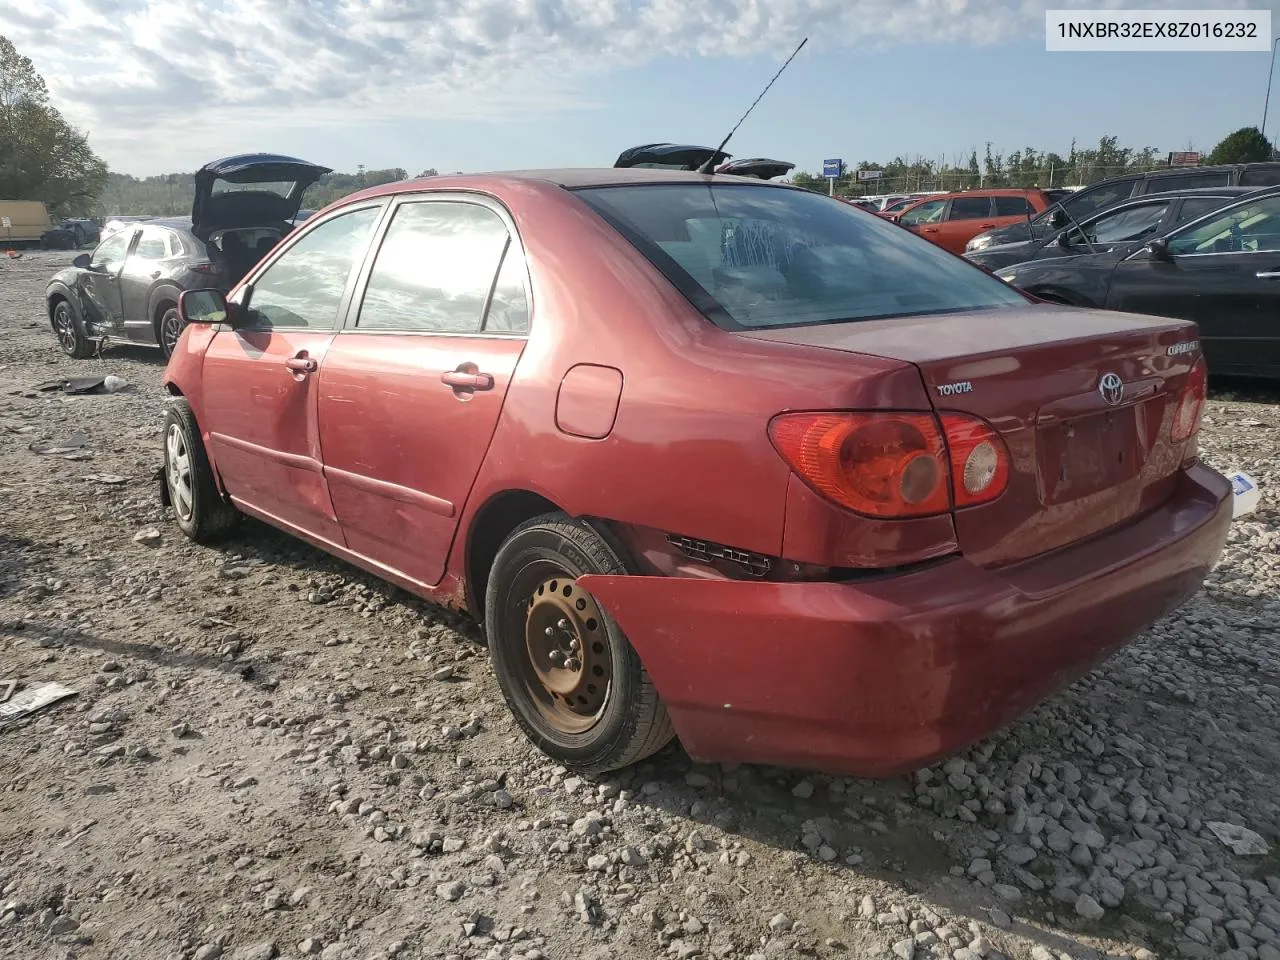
(1246, 145)
(42, 157)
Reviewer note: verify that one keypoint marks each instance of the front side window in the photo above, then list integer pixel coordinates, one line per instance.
(1132, 223)
(1197, 208)
(434, 269)
(111, 252)
(930, 212)
(1248, 228)
(304, 287)
(970, 208)
(759, 256)
(1086, 202)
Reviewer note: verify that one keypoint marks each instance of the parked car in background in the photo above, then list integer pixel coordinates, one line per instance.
(128, 288)
(1221, 271)
(1082, 203)
(70, 234)
(455, 383)
(1127, 222)
(116, 224)
(952, 219)
(891, 206)
(28, 221)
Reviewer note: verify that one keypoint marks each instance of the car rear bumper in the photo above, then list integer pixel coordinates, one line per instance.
(878, 677)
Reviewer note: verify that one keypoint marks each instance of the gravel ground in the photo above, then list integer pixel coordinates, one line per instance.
(272, 754)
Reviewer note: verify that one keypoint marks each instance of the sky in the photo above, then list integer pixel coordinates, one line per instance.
(166, 85)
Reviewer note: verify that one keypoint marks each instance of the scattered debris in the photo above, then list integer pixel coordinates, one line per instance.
(79, 386)
(32, 699)
(6, 689)
(1239, 840)
(1246, 493)
(111, 479)
(149, 537)
(68, 448)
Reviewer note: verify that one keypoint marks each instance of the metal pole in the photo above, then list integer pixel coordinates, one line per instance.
(1267, 103)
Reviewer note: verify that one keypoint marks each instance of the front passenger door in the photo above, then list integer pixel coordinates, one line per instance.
(259, 395)
(100, 297)
(968, 217)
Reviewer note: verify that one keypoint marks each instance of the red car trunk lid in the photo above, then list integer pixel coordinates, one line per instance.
(1082, 399)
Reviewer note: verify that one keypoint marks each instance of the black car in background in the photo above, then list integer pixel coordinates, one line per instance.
(1221, 271)
(1081, 203)
(127, 289)
(1125, 223)
(71, 234)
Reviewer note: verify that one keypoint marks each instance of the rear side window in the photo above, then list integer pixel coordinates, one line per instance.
(151, 246)
(434, 269)
(1197, 207)
(758, 256)
(970, 208)
(1012, 207)
(305, 286)
(509, 306)
(1188, 181)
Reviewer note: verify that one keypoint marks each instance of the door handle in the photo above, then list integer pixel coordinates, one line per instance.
(930, 230)
(1268, 274)
(467, 380)
(985, 226)
(301, 365)
(156, 275)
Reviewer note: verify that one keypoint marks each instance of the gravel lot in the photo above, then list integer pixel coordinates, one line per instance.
(272, 754)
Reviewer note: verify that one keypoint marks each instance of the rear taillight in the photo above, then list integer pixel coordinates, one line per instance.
(979, 460)
(1186, 417)
(894, 465)
(209, 268)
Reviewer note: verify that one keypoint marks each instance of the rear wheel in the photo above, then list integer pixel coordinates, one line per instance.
(70, 332)
(199, 509)
(573, 681)
(168, 330)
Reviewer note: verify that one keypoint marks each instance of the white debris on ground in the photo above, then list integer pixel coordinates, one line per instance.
(273, 755)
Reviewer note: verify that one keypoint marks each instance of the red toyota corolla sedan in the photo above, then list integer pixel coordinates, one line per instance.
(708, 456)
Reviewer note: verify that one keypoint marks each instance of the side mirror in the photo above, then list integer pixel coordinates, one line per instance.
(1158, 249)
(1058, 219)
(203, 306)
(81, 261)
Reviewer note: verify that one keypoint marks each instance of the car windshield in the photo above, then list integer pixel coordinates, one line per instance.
(760, 256)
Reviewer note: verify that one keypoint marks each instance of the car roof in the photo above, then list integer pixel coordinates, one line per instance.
(1224, 191)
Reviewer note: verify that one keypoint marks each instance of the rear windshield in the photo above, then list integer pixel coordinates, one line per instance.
(281, 188)
(757, 256)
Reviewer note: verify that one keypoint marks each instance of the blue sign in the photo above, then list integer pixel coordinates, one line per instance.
(832, 168)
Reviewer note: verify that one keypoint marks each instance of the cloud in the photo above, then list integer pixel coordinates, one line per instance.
(137, 72)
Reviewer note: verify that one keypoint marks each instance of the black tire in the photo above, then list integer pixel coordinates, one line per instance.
(69, 329)
(630, 723)
(168, 330)
(199, 509)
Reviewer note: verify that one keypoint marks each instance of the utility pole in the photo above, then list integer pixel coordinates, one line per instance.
(1267, 103)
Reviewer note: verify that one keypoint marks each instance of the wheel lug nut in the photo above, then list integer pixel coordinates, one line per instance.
(574, 645)
(550, 631)
(556, 656)
(563, 624)
(573, 663)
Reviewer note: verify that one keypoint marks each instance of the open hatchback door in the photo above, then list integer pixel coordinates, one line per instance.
(758, 167)
(250, 189)
(668, 156)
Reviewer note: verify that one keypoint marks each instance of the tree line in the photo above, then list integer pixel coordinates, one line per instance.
(1029, 167)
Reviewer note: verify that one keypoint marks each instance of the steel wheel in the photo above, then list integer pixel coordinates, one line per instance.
(64, 327)
(170, 330)
(178, 472)
(570, 672)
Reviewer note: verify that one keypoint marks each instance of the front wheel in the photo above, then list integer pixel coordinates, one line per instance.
(70, 332)
(573, 681)
(198, 507)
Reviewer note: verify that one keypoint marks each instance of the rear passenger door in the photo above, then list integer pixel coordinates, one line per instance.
(413, 385)
(966, 218)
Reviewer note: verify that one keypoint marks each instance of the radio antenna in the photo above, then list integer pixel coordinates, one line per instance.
(710, 164)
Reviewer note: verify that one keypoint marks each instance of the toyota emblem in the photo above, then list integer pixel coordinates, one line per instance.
(1112, 388)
